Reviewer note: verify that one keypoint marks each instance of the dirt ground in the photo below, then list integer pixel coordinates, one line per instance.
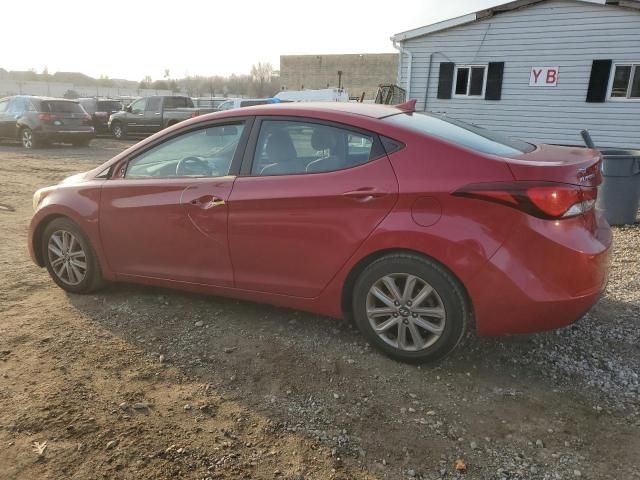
(138, 382)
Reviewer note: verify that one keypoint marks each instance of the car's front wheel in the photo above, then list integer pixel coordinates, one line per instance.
(70, 258)
(410, 307)
(118, 130)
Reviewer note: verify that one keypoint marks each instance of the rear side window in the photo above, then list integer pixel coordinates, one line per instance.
(3, 105)
(61, 107)
(461, 133)
(292, 147)
(251, 103)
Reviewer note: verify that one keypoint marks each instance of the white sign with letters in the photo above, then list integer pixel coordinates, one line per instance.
(543, 77)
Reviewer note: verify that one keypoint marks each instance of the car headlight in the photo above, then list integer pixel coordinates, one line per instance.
(40, 195)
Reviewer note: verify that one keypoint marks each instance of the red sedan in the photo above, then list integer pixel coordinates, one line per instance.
(414, 225)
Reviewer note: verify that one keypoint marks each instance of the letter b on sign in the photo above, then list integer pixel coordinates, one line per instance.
(543, 77)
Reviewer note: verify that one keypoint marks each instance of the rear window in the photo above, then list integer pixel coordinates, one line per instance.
(61, 107)
(461, 133)
(177, 102)
(110, 106)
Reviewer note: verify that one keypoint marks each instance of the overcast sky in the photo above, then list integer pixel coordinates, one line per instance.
(131, 39)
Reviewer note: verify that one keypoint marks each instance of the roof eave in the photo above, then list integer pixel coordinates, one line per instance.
(488, 12)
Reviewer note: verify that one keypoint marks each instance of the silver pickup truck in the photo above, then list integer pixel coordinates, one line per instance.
(148, 115)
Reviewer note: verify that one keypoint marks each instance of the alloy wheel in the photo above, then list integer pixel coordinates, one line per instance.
(27, 138)
(67, 257)
(405, 312)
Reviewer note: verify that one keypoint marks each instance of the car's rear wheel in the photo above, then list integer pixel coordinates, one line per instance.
(410, 307)
(118, 130)
(27, 138)
(69, 257)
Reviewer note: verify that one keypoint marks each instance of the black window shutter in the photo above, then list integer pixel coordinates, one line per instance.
(494, 81)
(445, 82)
(599, 81)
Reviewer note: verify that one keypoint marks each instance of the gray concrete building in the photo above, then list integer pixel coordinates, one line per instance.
(357, 73)
(538, 69)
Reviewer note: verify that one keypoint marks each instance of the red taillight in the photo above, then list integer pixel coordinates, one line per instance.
(194, 114)
(541, 199)
(47, 117)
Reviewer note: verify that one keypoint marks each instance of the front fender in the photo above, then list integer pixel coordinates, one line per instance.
(79, 203)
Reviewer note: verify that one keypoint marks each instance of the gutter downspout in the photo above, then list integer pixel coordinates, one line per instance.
(398, 46)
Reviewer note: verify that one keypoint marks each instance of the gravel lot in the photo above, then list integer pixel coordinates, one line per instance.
(139, 382)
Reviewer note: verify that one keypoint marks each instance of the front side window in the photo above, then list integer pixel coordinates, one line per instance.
(470, 80)
(138, 106)
(461, 133)
(18, 105)
(228, 105)
(625, 82)
(292, 147)
(153, 104)
(207, 152)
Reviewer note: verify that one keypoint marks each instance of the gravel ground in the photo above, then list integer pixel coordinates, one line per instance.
(139, 382)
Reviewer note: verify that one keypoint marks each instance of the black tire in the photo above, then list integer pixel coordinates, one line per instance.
(92, 279)
(81, 143)
(448, 295)
(118, 130)
(28, 139)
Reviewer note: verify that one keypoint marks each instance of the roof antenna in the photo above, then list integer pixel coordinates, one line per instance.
(408, 106)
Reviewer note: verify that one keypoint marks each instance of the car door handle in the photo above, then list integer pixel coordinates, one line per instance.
(365, 194)
(207, 201)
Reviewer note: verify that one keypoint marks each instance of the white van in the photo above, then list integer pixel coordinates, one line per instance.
(322, 95)
(245, 102)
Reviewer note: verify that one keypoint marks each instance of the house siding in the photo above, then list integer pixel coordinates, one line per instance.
(563, 33)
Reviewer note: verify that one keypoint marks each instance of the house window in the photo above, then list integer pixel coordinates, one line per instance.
(469, 80)
(625, 82)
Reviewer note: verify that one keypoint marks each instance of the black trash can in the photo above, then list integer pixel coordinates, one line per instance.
(619, 194)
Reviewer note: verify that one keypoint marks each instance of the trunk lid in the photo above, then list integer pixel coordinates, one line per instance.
(572, 165)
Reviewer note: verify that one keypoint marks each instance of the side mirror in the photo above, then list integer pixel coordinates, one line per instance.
(127, 108)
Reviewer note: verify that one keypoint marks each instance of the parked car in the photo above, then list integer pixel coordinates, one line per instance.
(245, 102)
(152, 114)
(100, 110)
(37, 121)
(416, 226)
(209, 102)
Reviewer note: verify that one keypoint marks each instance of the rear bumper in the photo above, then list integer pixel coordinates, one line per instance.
(65, 135)
(546, 275)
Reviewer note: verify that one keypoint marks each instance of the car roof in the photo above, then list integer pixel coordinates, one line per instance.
(371, 110)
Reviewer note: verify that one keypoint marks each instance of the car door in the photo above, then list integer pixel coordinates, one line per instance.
(135, 118)
(5, 120)
(306, 203)
(164, 213)
(153, 115)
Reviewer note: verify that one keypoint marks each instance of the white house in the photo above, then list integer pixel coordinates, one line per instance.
(541, 70)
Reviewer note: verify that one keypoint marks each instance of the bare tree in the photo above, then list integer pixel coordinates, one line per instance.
(261, 74)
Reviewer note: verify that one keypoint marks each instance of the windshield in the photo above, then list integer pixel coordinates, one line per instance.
(461, 133)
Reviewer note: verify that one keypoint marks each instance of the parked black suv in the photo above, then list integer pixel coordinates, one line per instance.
(37, 121)
(100, 110)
